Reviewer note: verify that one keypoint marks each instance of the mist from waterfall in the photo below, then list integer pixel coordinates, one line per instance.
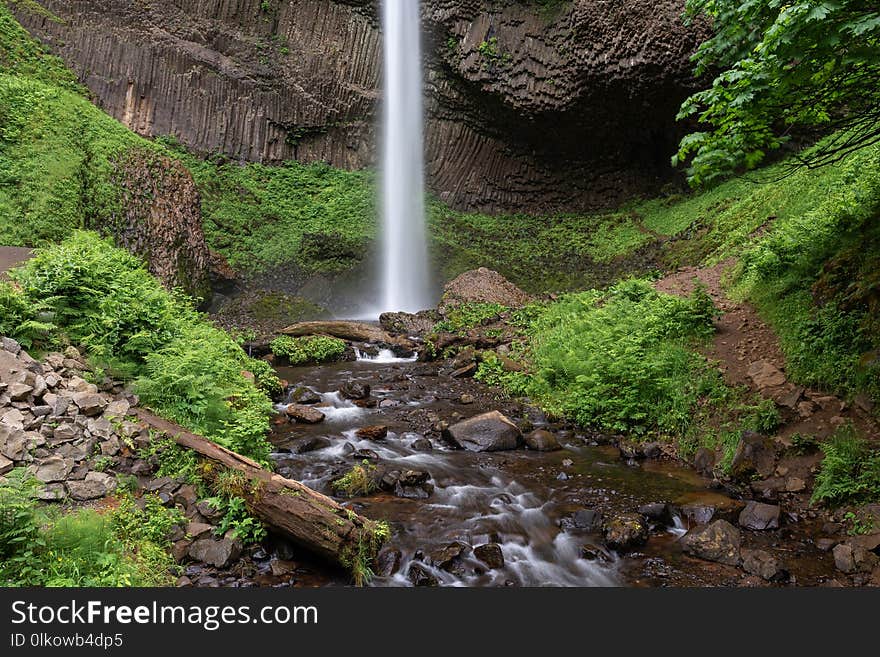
(405, 281)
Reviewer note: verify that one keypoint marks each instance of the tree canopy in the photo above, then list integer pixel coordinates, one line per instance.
(780, 67)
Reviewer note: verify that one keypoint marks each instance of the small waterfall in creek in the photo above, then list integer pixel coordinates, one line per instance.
(405, 279)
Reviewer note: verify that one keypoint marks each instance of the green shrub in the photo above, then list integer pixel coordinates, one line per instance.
(850, 470)
(309, 349)
(103, 298)
(623, 359)
(357, 481)
(466, 316)
(238, 520)
(44, 547)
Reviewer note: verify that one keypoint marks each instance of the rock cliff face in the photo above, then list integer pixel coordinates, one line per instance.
(531, 105)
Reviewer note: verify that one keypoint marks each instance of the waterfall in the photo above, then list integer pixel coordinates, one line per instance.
(405, 284)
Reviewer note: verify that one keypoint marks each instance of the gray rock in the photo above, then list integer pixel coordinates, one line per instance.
(13, 443)
(117, 409)
(19, 391)
(542, 440)
(308, 444)
(86, 490)
(718, 542)
(354, 390)
(759, 516)
(755, 454)
(658, 513)
(10, 345)
(625, 532)
(217, 552)
(698, 514)
(110, 447)
(12, 417)
(6, 465)
(90, 403)
(54, 468)
(388, 562)
(65, 432)
(54, 492)
(304, 395)
(488, 432)
(197, 530)
(761, 563)
(586, 519)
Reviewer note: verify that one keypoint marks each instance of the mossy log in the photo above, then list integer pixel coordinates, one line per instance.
(353, 331)
(308, 518)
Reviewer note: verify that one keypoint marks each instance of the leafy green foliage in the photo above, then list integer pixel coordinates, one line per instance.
(850, 470)
(466, 316)
(622, 359)
(308, 349)
(313, 216)
(238, 520)
(784, 65)
(102, 298)
(123, 547)
(815, 277)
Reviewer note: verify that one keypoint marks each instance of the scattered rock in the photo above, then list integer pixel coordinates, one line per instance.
(19, 391)
(625, 532)
(718, 542)
(542, 440)
(217, 552)
(466, 371)
(588, 520)
(90, 403)
(490, 554)
(419, 575)
(451, 557)
(304, 395)
(308, 444)
(354, 390)
(765, 374)
(375, 432)
(421, 444)
(850, 557)
(466, 399)
(488, 432)
(704, 461)
(755, 455)
(388, 562)
(658, 513)
(761, 563)
(13, 443)
(759, 516)
(94, 486)
(304, 414)
(54, 468)
(698, 514)
(117, 409)
(5, 465)
(54, 492)
(592, 552)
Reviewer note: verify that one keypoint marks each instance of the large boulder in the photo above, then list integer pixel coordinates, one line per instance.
(304, 414)
(625, 532)
(763, 564)
(489, 432)
(718, 542)
(542, 440)
(759, 516)
(482, 286)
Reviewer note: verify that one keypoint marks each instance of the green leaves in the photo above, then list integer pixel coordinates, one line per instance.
(781, 66)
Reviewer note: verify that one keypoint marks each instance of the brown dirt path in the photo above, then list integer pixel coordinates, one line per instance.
(749, 354)
(11, 256)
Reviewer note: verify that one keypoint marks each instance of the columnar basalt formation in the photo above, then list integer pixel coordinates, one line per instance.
(531, 105)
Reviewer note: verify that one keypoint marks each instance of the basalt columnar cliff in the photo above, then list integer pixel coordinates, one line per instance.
(531, 105)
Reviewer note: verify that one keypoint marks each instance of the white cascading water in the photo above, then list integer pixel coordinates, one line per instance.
(405, 284)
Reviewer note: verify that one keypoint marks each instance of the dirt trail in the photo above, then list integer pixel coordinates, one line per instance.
(11, 256)
(749, 354)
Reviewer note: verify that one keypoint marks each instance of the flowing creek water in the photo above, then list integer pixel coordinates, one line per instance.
(522, 500)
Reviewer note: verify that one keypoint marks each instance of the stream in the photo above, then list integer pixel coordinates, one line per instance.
(523, 500)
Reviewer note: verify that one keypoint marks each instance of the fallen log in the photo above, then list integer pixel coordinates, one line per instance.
(308, 518)
(356, 331)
